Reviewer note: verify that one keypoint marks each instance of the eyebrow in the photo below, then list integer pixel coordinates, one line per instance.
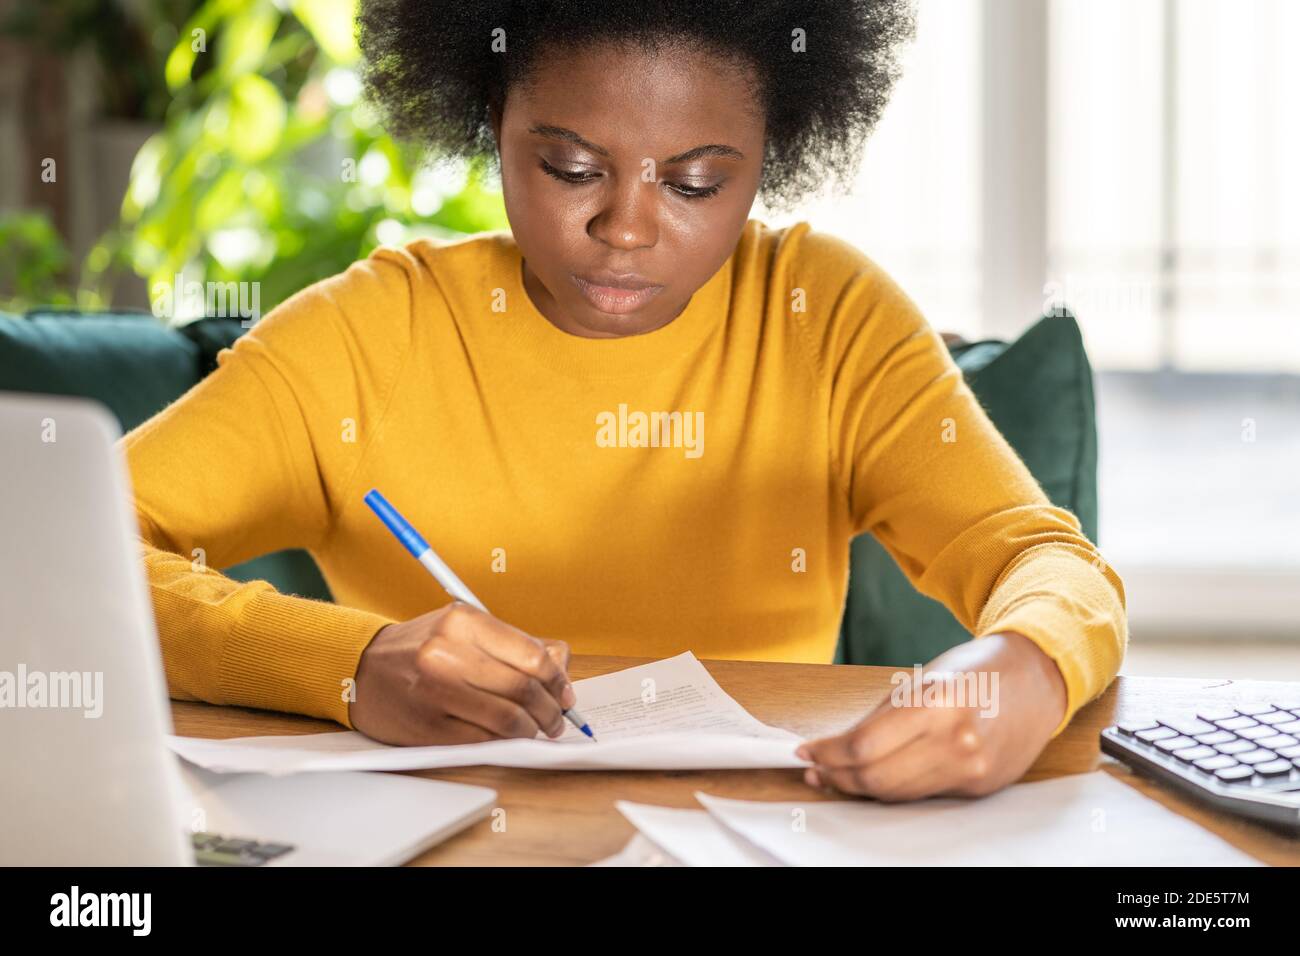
(569, 136)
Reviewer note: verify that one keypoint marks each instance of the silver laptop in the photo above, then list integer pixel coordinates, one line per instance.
(87, 778)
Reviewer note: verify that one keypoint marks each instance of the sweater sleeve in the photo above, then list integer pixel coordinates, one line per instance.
(930, 476)
(256, 458)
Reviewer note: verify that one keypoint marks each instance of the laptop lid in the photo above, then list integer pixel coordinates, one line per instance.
(83, 702)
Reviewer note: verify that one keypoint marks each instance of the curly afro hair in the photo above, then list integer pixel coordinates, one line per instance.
(431, 69)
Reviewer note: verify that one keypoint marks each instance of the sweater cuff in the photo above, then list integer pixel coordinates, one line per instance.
(1056, 631)
(294, 654)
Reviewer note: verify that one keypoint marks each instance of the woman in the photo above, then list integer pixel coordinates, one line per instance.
(641, 423)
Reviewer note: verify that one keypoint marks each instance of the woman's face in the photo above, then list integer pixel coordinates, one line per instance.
(628, 178)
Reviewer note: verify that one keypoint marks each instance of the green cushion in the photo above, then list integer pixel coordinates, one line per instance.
(210, 336)
(291, 572)
(1038, 392)
(129, 361)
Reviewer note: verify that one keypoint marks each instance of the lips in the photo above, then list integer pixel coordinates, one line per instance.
(617, 294)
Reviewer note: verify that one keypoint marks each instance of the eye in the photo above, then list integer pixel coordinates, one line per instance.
(694, 192)
(568, 176)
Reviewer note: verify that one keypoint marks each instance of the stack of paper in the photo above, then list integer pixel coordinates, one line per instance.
(1089, 819)
(667, 715)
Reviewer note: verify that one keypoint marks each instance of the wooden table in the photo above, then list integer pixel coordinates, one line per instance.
(567, 817)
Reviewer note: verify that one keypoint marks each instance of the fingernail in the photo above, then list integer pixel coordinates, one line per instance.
(803, 754)
(570, 697)
(811, 778)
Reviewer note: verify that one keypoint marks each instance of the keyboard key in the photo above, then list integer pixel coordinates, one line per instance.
(1291, 728)
(1276, 717)
(269, 851)
(1190, 726)
(1237, 774)
(1213, 764)
(1274, 768)
(1217, 737)
(1289, 752)
(1254, 733)
(1257, 756)
(1252, 710)
(1237, 723)
(1157, 733)
(235, 846)
(1276, 742)
(1236, 747)
(212, 849)
(1175, 743)
(1188, 754)
(1215, 714)
(217, 857)
(1130, 727)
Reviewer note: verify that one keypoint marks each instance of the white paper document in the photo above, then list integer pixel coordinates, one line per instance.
(638, 851)
(691, 837)
(667, 715)
(1088, 819)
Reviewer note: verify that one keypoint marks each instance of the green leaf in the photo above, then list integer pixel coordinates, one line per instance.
(257, 117)
(331, 23)
(221, 202)
(180, 62)
(246, 38)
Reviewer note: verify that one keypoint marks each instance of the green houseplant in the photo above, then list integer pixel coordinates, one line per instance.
(33, 260)
(268, 168)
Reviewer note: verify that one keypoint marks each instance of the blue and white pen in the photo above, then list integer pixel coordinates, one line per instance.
(413, 542)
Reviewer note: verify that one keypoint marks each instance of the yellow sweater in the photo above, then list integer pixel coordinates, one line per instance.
(807, 401)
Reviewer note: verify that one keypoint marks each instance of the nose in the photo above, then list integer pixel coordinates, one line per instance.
(627, 220)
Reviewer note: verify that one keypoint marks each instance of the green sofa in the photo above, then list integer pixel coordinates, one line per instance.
(1037, 390)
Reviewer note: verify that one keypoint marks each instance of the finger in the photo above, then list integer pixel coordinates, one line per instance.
(490, 675)
(497, 715)
(559, 651)
(953, 772)
(512, 646)
(877, 735)
(442, 687)
(920, 768)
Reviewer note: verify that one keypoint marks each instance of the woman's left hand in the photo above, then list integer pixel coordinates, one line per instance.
(926, 740)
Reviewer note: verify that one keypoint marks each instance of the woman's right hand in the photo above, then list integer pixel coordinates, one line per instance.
(457, 675)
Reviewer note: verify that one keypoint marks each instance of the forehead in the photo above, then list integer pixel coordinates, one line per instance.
(643, 102)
